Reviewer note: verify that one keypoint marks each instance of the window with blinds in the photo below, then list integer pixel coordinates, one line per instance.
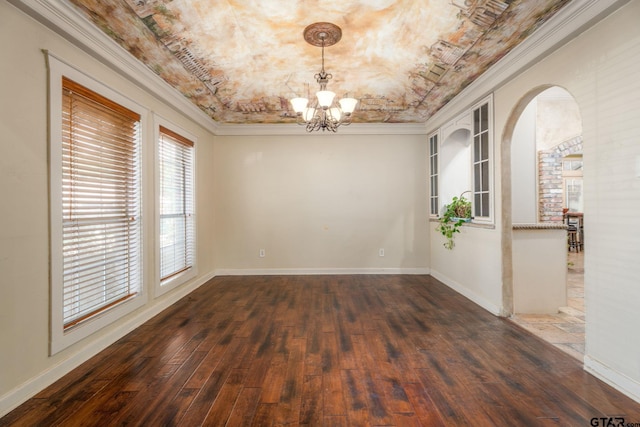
(101, 203)
(176, 205)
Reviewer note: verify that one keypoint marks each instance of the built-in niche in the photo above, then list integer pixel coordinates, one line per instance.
(455, 159)
(461, 164)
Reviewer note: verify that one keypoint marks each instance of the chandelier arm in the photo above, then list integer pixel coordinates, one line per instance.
(300, 120)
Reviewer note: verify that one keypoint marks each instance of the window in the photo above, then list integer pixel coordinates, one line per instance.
(464, 160)
(572, 164)
(433, 174)
(572, 179)
(481, 166)
(96, 233)
(573, 194)
(176, 205)
(100, 203)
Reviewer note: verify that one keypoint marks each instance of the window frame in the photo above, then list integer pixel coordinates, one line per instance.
(488, 219)
(61, 337)
(164, 286)
(434, 158)
(569, 178)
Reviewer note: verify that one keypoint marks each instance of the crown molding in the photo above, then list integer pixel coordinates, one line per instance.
(62, 18)
(352, 129)
(566, 24)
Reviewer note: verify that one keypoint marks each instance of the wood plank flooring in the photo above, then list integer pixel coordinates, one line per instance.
(326, 351)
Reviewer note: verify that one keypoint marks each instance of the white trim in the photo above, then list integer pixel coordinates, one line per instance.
(28, 389)
(435, 134)
(162, 288)
(491, 161)
(615, 379)
(315, 271)
(465, 121)
(566, 24)
(466, 292)
(352, 129)
(59, 339)
(61, 17)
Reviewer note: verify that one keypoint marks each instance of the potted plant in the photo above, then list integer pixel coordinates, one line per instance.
(454, 215)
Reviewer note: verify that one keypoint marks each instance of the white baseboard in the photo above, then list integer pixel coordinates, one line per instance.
(463, 290)
(13, 398)
(615, 379)
(316, 271)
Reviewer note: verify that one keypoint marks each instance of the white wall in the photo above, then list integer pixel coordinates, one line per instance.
(321, 203)
(597, 68)
(373, 194)
(524, 161)
(473, 266)
(558, 118)
(539, 270)
(25, 365)
(455, 171)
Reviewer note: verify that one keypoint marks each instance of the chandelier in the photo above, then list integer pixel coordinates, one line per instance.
(322, 112)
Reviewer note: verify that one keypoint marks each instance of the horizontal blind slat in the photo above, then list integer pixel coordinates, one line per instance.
(100, 202)
(70, 85)
(176, 203)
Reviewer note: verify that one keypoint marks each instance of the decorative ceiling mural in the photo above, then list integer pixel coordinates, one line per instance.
(241, 61)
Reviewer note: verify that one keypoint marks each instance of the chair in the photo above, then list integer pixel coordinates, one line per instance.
(572, 238)
(575, 231)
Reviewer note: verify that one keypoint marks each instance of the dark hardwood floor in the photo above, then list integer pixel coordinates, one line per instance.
(326, 350)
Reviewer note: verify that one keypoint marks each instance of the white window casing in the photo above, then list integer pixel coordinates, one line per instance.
(95, 155)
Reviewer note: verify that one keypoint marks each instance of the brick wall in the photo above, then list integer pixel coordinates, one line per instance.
(550, 192)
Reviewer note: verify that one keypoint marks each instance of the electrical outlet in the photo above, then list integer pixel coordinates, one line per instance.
(381, 251)
(262, 253)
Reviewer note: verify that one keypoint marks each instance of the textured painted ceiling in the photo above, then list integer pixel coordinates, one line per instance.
(240, 61)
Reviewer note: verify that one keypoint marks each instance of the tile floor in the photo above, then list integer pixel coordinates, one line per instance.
(565, 330)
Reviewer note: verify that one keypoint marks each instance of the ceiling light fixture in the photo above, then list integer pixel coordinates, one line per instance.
(323, 113)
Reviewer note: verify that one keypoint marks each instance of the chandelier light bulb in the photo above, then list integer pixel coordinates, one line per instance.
(348, 105)
(325, 98)
(299, 104)
(335, 114)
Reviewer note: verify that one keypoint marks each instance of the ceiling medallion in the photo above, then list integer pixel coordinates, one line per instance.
(323, 113)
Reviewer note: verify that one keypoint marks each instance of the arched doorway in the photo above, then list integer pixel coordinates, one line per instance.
(541, 163)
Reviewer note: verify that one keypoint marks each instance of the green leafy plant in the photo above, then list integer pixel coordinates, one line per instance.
(455, 214)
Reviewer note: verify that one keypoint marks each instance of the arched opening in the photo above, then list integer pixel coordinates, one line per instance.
(543, 285)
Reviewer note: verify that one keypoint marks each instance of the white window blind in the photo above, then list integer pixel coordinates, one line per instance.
(101, 232)
(176, 204)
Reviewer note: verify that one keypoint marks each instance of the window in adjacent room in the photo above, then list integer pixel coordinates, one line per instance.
(433, 174)
(96, 233)
(572, 179)
(176, 207)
